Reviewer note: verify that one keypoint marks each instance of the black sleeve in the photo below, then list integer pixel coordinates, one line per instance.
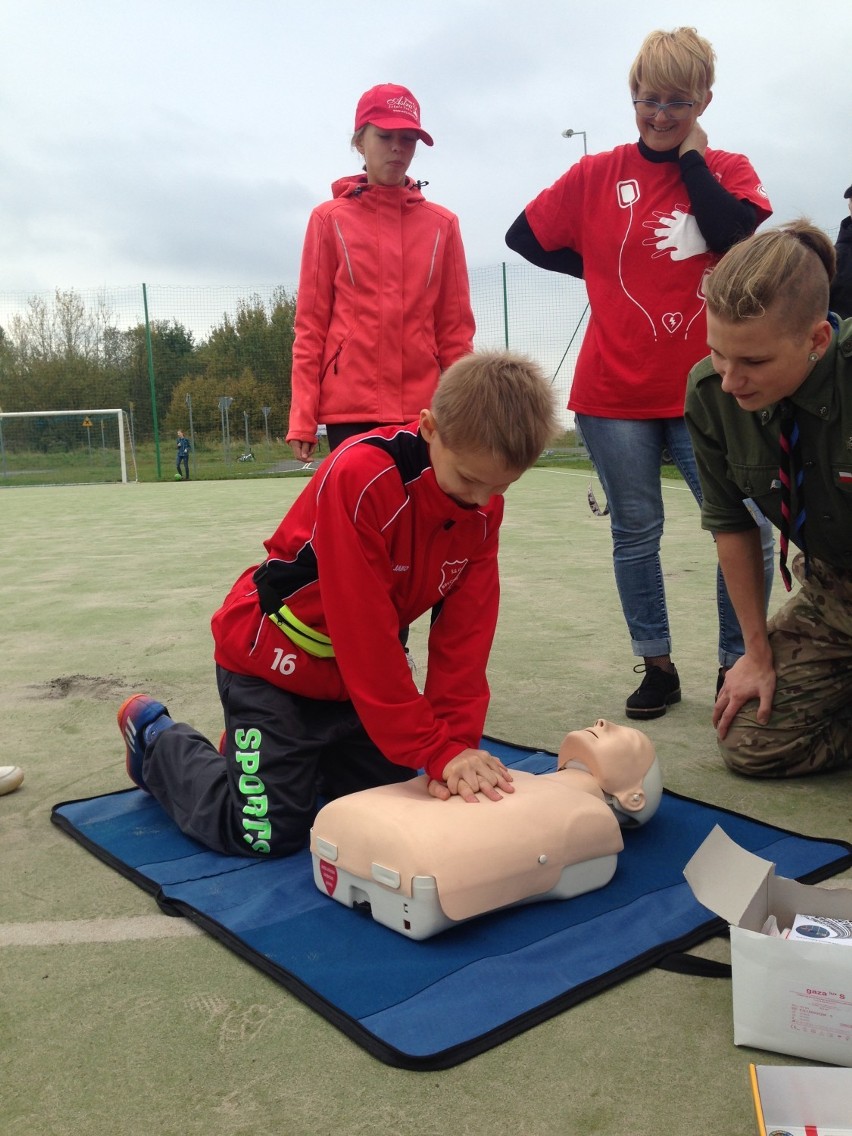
(521, 239)
(840, 299)
(722, 218)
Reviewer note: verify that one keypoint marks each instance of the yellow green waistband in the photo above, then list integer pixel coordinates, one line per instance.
(314, 642)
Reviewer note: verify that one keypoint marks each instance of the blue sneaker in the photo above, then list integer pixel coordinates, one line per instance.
(136, 714)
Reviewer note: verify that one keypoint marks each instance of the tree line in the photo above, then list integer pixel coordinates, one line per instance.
(66, 356)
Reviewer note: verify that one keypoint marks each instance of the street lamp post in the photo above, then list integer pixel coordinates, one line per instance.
(573, 134)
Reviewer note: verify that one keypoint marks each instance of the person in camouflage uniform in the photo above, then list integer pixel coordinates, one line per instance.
(785, 708)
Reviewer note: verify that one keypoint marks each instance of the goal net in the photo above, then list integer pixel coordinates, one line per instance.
(65, 447)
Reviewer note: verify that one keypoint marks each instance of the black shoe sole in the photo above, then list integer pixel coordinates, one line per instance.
(652, 711)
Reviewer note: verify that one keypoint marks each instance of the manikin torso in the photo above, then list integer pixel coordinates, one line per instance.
(558, 834)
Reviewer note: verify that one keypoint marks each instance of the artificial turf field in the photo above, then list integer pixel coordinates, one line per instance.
(115, 1019)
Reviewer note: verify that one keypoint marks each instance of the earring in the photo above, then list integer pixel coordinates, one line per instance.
(813, 357)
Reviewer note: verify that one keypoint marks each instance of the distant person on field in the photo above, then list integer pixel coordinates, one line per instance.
(642, 225)
(383, 305)
(317, 695)
(770, 413)
(183, 448)
(841, 289)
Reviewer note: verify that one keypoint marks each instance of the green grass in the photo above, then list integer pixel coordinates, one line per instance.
(98, 466)
(211, 463)
(31, 467)
(109, 589)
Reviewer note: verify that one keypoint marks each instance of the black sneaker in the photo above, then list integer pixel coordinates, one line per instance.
(658, 690)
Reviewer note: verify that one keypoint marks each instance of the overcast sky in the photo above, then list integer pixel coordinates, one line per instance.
(184, 142)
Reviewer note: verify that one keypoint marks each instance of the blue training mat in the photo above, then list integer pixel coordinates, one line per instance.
(434, 1003)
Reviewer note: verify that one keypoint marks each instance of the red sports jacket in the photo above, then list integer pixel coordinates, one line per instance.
(369, 546)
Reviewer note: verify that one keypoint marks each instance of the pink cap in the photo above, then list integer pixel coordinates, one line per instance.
(390, 107)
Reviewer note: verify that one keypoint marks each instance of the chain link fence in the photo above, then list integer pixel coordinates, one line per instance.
(517, 306)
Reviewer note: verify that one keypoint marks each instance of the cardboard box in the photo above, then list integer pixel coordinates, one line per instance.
(789, 997)
(794, 1100)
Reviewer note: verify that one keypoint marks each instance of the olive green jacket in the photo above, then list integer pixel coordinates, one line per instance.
(737, 452)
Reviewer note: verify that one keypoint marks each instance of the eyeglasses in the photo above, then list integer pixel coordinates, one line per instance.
(650, 108)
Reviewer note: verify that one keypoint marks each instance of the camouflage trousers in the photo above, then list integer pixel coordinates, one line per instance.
(810, 729)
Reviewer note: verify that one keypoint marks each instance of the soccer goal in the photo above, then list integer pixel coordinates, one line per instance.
(65, 447)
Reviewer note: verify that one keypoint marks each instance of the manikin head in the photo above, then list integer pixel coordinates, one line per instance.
(622, 761)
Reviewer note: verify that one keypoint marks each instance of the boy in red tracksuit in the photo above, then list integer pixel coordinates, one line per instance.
(317, 694)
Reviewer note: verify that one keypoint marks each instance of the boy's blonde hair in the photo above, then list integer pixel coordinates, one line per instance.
(788, 269)
(681, 61)
(498, 403)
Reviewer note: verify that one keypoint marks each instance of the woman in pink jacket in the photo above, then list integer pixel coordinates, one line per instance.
(383, 306)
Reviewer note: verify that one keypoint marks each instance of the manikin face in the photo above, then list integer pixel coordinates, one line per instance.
(471, 478)
(387, 154)
(663, 132)
(605, 741)
(759, 361)
(622, 761)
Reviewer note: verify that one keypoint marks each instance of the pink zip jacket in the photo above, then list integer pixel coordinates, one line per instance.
(383, 307)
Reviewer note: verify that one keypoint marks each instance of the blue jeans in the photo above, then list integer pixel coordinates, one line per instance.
(627, 456)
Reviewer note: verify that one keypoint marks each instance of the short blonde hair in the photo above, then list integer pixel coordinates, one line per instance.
(680, 60)
(788, 269)
(498, 403)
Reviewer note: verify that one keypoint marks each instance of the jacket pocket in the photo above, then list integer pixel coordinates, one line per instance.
(755, 481)
(332, 363)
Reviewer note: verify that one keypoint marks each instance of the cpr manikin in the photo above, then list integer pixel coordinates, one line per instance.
(421, 864)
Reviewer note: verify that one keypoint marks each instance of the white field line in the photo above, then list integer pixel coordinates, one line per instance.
(123, 930)
(667, 483)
